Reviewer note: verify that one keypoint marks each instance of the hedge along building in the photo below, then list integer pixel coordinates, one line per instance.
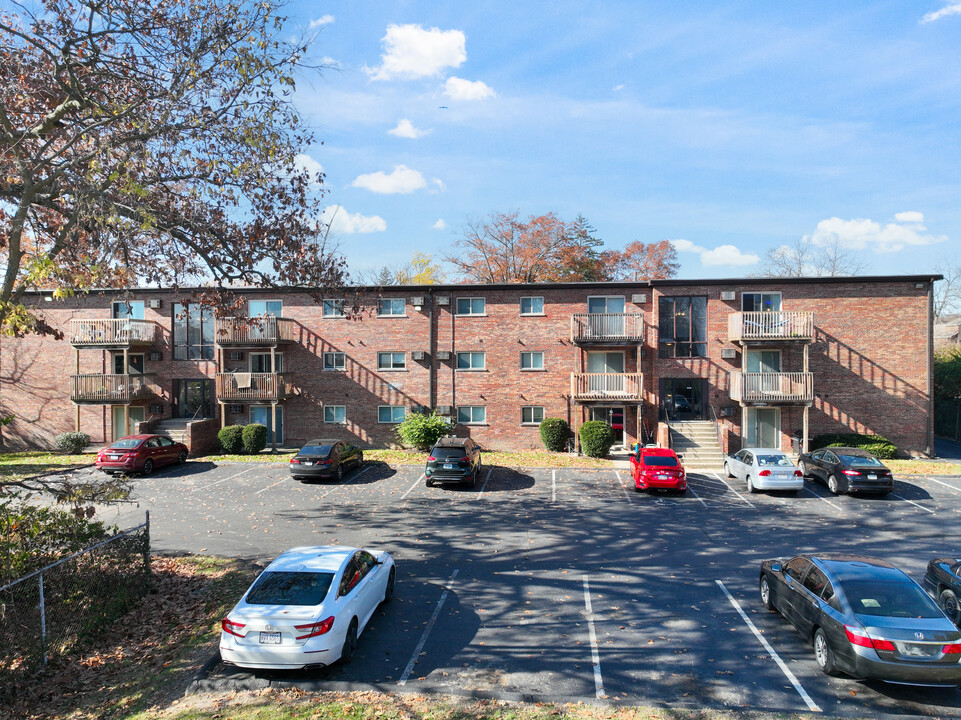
(755, 360)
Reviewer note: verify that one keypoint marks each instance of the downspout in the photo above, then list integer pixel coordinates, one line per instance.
(432, 349)
(930, 425)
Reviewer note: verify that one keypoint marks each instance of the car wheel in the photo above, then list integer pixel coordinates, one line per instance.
(823, 655)
(765, 588)
(350, 643)
(183, 457)
(360, 460)
(429, 482)
(340, 472)
(949, 603)
(389, 591)
(833, 484)
(727, 471)
(147, 466)
(750, 485)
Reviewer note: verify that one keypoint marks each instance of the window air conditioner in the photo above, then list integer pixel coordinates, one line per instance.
(443, 355)
(639, 298)
(443, 299)
(728, 295)
(154, 303)
(728, 353)
(235, 355)
(444, 410)
(417, 301)
(418, 355)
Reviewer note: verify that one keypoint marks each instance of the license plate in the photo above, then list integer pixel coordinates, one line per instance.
(663, 477)
(872, 477)
(270, 638)
(448, 466)
(308, 462)
(114, 457)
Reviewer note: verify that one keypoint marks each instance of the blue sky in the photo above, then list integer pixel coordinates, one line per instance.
(727, 127)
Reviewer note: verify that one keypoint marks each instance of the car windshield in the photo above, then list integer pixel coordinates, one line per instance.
(126, 443)
(660, 460)
(773, 461)
(447, 453)
(290, 588)
(315, 450)
(859, 460)
(890, 599)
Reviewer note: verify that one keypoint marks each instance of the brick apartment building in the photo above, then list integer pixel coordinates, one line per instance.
(762, 360)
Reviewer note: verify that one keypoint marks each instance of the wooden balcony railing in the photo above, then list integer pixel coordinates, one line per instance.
(111, 389)
(250, 387)
(254, 332)
(772, 388)
(113, 333)
(607, 386)
(776, 326)
(607, 327)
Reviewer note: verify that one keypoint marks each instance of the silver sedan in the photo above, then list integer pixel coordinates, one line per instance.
(764, 469)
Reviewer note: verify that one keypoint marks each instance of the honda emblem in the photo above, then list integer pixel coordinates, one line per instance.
(919, 635)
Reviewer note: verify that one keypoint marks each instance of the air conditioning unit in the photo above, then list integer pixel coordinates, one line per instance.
(155, 356)
(443, 355)
(417, 301)
(235, 355)
(443, 299)
(445, 410)
(420, 409)
(728, 353)
(728, 295)
(418, 355)
(727, 411)
(639, 298)
(154, 303)
(235, 409)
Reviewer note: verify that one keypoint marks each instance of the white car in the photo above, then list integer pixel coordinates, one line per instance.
(764, 469)
(307, 609)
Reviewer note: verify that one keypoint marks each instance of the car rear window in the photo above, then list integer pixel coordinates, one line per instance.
(773, 461)
(290, 588)
(448, 453)
(315, 450)
(127, 443)
(860, 460)
(660, 460)
(890, 599)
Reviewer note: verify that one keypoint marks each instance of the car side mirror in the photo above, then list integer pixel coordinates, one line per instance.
(680, 457)
(776, 567)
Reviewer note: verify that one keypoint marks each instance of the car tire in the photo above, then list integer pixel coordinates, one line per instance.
(350, 643)
(949, 603)
(360, 460)
(147, 466)
(765, 589)
(727, 471)
(182, 458)
(833, 485)
(750, 485)
(389, 590)
(429, 482)
(340, 472)
(823, 655)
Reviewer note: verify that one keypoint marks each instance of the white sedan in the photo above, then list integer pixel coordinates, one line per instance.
(307, 609)
(764, 469)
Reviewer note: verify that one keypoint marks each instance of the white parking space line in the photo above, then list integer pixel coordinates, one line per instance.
(486, 479)
(218, 482)
(620, 481)
(595, 654)
(812, 706)
(553, 485)
(929, 510)
(416, 482)
(735, 491)
(271, 486)
(951, 487)
(430, 624)
(696, 496)
(824, 499)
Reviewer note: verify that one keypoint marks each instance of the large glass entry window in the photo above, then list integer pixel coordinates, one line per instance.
(763, 428)
(263, 415)
(682, 398)
(192, 398)
(137, 415)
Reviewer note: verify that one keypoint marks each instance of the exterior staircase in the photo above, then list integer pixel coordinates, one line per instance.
(175, 428)
(696, 440)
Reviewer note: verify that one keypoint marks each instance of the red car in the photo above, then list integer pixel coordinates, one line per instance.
(658, 468)
(140, 453)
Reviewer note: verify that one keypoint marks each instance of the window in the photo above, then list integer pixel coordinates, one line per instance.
(391, 361)
(350, 578)
(193, 332)
(471, 306)
(761, 302)
(260, 363)
(268, 308)
(127, 310)
(166, 442)
(335, 414)
(134, 364)
(532, 361)
(795, 568)
(335, 361)
(471, 414)
(605, 304)
(532, 306)
(532, 415)
(471, 360)
(682, 327)
(391, 413)
(333, 308)
(391, 306)
(290, 588)
(815, 581)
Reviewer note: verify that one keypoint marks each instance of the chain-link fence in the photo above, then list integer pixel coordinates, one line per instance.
(947, 418)
(44, 614)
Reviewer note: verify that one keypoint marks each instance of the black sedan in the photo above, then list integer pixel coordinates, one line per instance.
(943, 583)
(325, 459)
(845, 469)
(865, 618)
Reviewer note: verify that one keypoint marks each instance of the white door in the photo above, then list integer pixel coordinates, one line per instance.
(137, 415)
(764, 428)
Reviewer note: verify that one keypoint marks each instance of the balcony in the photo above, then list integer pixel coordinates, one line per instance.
(607, 386)
(254, 332)
(110, 389)
(113, 333)
(241, 387)
(772, 388)
(770, 326)
(607, 328)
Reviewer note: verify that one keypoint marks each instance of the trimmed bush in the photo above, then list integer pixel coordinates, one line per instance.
(254, 437)
(555, 432)
(880, 447)
(71, 442)
(231, 439)
(596, 438)
(421, 431)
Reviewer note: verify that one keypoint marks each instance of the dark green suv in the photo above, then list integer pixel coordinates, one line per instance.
(453, 459)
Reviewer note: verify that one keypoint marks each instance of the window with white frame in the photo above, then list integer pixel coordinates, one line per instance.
(388, 307)
(333, 308)
(532, 306)
(391, 413)
(335, 361)
(391, 361)
(532, 361)
(127, 309)
(471, 306)
(335, 414)
(269, 308)
(471, 414)
(761, 302)
(471, 360)
(532, 414)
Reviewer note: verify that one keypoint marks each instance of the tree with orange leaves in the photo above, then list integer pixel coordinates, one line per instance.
(645, 261)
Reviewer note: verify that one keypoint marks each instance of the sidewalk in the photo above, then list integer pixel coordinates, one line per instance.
(946, 449)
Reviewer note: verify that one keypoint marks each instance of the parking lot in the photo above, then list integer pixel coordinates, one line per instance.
(565, 585)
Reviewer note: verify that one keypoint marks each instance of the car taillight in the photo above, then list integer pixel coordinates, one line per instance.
(314, 629)
(463, 460)
(798, 473)
(325, 462)
(764, 473)
(431, 459)
(294, 461)
(859, 637)
(952, 649)
(851, 472)
(233, 628)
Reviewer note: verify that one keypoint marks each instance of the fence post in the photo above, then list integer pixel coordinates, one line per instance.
(146, 546)
(43, 624)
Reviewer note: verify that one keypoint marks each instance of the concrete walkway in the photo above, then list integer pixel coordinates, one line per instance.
(948, 450)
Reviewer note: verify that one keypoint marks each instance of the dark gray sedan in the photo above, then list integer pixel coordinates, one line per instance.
(943, 583)
(325, 459)
(865, 618)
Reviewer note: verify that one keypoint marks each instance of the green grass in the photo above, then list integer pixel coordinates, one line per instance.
(20, 465)
(922, 467)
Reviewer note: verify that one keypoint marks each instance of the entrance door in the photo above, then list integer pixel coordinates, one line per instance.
(262, 414)
(192, 398)
(682, 398)
(606, 372)
(764, 427)
(606, 316)
(137, 415)
(613, 416)
(767, 362)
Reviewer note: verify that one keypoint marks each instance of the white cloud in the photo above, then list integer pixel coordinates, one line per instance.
(321, 21)
(405, 129)
(439, 225)
(910, 216)
(344, 223)
(618, 88)
(401, 180)
(412, 52)
(721, 255)
(459, 89)
(686, 246)
(306, 162)
(862, 234)
(952, 9)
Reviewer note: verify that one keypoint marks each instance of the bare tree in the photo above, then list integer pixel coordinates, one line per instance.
(947, 292)
(803, 259)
